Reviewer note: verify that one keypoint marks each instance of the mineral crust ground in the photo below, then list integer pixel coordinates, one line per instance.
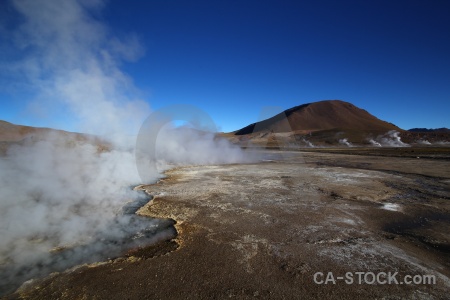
(263, 230)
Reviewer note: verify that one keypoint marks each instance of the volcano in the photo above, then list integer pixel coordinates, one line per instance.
(319, 116)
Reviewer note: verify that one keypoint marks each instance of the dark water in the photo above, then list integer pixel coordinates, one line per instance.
(127, 231)
(410, 226)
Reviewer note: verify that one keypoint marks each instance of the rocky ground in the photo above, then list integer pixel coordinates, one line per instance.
(264, 230)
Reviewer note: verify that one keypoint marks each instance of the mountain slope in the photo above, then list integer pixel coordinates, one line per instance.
(11, 134)
(317, 116)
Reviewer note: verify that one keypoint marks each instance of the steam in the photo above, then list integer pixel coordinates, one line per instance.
(308, 143)
(374, 143)
(423, 142)
(345, 142)
(73, 196)
(73, 67)
(57, 194)
(391, 139)
(185, 145)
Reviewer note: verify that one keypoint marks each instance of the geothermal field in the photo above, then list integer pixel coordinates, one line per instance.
(271, 228)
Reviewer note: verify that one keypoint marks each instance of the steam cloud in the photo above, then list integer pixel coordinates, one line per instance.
(442, 143)
(374, 143)
(423, 142)
(71, 195)
(308, 143)
(345, 142)
(390, 139)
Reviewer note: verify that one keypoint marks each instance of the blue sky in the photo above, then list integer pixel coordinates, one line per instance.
(234, 58)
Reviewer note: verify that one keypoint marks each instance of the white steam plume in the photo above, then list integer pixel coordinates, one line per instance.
(74, 65)
(189, 146)
(345, 142)
(60, 192)
(423, 142)
(391, 139)
(308, 143)
(374, 143)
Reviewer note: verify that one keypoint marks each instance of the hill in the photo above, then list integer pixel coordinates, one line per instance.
(12, 134)
(318, 116)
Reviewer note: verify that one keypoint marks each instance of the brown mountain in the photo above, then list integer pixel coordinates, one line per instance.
(319, 116)
(11, 134)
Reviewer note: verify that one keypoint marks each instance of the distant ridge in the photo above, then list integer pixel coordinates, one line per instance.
(443, 129)
(318, 116)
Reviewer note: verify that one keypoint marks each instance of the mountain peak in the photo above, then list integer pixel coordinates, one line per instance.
(322, 115)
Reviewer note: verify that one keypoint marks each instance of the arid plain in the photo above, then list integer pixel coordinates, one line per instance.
(263, 230)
